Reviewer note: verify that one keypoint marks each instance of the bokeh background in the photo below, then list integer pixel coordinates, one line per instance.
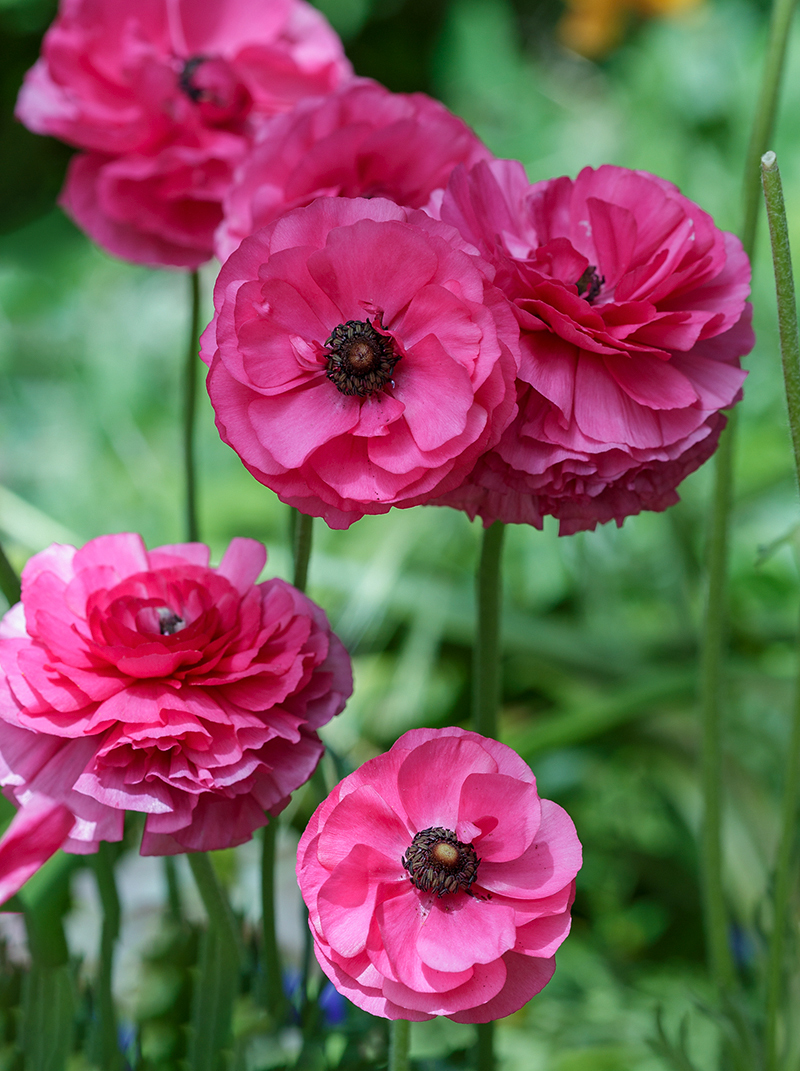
(600, 629)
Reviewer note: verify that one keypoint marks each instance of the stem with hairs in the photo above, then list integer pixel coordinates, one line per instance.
(714, 636)
(399, 1041)
(790, 358)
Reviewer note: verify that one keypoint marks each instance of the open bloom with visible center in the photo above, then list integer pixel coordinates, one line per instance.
(148, 681)
(359, 358)
(633, 316)
(437, 881)
(359, 141)
(164, 97)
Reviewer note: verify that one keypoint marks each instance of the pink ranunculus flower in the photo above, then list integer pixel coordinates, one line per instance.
(359, 141)
(164, 97)
(437, 881)
(359, 358)
(633, 316)
(148, 681)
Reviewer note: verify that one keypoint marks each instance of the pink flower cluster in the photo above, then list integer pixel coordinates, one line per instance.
(164, 98)
(437, 881)
(148, 681)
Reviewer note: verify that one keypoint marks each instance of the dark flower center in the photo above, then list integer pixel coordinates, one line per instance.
(214, 87)
(438, 862)
(590, 283)
(360, 359)
(168, 621)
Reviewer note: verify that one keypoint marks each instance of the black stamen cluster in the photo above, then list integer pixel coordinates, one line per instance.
(590, 283)
(360, 359)
(430, 872)
(185, 83)
(169, 622)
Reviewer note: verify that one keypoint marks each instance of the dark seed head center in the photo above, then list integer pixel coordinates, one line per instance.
(360, 360)
(169, 622)
(590, 284)
(438, 862)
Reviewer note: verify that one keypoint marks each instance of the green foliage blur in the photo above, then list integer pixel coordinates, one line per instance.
(600, 629)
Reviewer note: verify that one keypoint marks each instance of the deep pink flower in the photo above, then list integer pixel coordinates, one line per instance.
(632, 308)
(151, 682)
(37, 831)
(437, 882)
(360, 141)
(165, 97)
(360, 359)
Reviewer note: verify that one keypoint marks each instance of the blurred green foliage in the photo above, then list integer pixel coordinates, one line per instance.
(600, 629)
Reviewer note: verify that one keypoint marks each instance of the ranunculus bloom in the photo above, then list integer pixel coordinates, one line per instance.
(360, 141)
(360, 359)
(437, 882)
(632, 308)
(151, 682)
(165, 97)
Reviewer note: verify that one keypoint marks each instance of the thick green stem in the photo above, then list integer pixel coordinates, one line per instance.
(103, 1045)
(218, 976)
(399, 1041)
(48, 999)
(486, 657)
(273, 982)
(301, 533)
(790, 357)
(190, 374)
(9, 581)
(485, 1048)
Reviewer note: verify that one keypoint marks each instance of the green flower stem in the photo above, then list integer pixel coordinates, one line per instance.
(301, 530)
(273, 982)
(48, 998)
(103, 1045)
(218, 977)
(790, 357)
(485, 1049)
(173, 888)
(711, 662)
(713, 641)
(486, 658)
(9, 581)
(399, 1041)
(766, 110)
(190, 407)
(486, 688)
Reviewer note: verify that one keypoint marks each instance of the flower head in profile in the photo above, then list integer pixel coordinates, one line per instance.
(149, 681)
(359, 357)
(437, 881)
(164, 98)
(633, 317)
(359, 141)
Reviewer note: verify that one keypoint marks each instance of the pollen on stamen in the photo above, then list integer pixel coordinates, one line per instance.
(360, 360)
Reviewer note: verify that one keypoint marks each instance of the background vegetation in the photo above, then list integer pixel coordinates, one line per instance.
(600, 629)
